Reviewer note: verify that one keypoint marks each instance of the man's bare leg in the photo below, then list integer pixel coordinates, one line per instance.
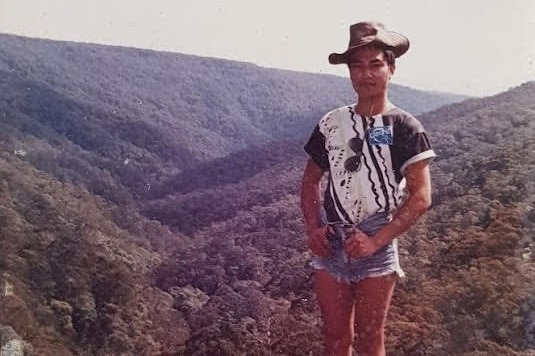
(372, 300)
(336, 301)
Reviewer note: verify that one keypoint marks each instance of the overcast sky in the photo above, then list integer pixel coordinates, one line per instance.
(477, 47)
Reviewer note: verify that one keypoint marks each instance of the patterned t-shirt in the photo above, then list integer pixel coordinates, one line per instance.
(360, 187)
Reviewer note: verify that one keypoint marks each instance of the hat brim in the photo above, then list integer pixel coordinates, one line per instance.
(395, 42)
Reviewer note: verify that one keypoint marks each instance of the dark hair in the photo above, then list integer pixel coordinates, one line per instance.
(390, 57)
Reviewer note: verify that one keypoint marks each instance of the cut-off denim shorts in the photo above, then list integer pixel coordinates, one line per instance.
(348, 269)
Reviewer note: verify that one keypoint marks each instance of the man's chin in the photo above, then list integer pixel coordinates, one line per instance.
(368, 93)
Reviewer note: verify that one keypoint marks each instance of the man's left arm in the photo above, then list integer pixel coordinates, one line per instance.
(418, 201)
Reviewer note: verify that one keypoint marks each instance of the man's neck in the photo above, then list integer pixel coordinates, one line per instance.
(373, 105)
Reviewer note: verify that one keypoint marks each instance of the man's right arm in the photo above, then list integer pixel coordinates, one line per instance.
(310, 205)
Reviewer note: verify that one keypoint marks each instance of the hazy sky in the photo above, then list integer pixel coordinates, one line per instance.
(478, 47)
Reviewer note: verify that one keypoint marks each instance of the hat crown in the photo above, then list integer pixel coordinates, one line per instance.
(363, 32)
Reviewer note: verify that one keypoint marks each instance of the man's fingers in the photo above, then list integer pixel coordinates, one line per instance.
(356, 243)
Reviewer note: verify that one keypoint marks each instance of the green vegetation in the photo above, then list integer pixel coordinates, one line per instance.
(148, 206)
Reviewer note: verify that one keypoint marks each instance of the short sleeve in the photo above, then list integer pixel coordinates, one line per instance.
(417, 148)
(315, 148)
(411, 144)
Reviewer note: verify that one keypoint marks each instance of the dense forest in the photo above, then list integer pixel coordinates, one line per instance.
(148, 206)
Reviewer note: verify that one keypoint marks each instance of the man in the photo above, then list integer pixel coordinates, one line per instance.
(370, 150)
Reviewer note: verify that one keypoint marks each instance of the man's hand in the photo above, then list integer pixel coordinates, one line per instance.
(361, 245)
(317, 241)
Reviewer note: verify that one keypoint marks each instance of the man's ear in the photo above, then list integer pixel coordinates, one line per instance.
(392, 70)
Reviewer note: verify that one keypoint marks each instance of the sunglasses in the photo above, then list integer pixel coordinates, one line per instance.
(352, 164)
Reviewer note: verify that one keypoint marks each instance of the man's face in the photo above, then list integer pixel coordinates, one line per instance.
(369, 72)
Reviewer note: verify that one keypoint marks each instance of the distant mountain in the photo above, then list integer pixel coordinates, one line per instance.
(469, 131)
(148, 206)
(146, 109)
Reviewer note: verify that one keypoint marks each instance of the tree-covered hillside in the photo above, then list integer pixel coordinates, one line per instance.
(148, 206)
(470, 265)
(72, 281)
(135, 104)
(135, 118)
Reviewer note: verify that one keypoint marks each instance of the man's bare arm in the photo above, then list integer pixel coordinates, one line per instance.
(419, 200)
(310, 205)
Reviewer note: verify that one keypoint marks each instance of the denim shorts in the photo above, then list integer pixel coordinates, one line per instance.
(348, 269)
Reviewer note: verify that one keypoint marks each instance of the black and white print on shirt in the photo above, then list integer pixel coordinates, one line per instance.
(390, 142)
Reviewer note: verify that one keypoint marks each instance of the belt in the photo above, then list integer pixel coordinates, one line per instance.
(369, 226)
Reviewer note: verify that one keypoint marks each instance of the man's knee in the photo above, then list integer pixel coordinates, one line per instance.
(370, 342)
(338, 339)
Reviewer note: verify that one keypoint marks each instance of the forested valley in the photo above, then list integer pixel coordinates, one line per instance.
(148, 206)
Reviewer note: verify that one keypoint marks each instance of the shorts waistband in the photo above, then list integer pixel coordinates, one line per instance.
(369, 225)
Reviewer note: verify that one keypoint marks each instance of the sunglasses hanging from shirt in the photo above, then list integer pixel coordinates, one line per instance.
(352, 164)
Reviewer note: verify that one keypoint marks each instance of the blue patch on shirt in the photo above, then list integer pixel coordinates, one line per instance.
(382, 135)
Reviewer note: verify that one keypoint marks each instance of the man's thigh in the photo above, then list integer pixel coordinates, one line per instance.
(372, 300)
(336, 302)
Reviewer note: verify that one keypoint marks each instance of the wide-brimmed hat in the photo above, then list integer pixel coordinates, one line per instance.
(367, 33)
